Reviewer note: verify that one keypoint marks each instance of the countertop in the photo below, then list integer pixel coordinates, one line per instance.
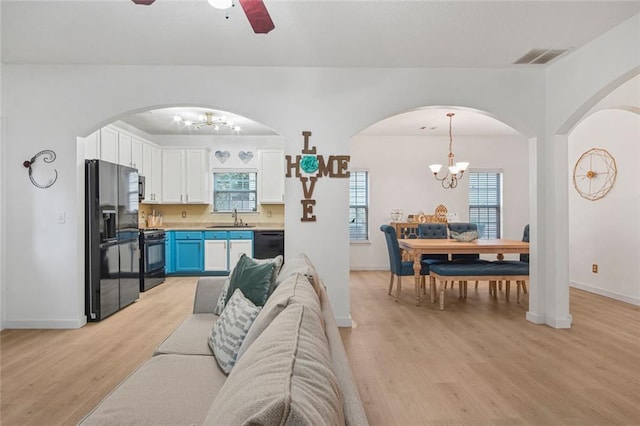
(205, 227)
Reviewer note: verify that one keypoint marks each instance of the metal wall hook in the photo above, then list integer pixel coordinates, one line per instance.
(49, 157)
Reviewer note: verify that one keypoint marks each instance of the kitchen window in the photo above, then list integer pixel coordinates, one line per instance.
(485, 202)
(359, 206)
(235, 190)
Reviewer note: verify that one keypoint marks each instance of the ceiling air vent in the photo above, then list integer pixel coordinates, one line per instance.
(540, 56)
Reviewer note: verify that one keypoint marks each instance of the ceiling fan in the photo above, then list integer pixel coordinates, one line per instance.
(255, 10)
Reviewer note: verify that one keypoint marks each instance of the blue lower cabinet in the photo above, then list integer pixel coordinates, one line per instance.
(188, 253)
(169, 266)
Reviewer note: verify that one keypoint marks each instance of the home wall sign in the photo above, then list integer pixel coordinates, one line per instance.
(48, 156)
(313, 167)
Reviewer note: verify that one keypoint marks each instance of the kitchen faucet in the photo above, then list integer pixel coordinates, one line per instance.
(234, 215)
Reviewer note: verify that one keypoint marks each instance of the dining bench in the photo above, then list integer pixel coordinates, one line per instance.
(482, 271)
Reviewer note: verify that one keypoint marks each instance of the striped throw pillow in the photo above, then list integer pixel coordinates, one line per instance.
(230, 330)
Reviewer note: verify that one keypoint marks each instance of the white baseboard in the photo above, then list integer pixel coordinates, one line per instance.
(344, 322)
(368, 268)
(606, 293)
(560, 322)
(45, 324)
(551, 322)
(535, 318)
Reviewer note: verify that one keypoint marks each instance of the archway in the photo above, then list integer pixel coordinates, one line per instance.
(397, 151)
(127, 138)
(595, 251)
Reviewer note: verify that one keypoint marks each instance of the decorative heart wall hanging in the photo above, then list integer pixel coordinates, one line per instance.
(222, 156)
(245, 156)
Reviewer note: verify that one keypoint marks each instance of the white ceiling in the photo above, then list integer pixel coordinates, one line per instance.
(318, 33)
(161, 122)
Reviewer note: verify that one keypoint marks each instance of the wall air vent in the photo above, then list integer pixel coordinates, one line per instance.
(540, 56)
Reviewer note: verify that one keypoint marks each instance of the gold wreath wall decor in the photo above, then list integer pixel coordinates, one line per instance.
(594, 174)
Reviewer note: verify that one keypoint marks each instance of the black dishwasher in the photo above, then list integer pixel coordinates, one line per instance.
(268, 244)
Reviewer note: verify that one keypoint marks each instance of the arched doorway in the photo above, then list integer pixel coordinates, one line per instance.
(601, 238)
(396, 153)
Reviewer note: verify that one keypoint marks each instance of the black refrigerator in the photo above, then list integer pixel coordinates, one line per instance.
(112, 251)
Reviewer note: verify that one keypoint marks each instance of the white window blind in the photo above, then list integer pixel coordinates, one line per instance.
(359, 206)
(485, 202)
(235, 190)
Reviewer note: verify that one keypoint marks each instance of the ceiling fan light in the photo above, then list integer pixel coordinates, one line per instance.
(220, 4)
(435, 168)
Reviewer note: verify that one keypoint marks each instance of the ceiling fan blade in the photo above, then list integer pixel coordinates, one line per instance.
(257, 15)
(144, 2)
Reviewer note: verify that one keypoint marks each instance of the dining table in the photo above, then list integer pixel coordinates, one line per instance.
(416, 247)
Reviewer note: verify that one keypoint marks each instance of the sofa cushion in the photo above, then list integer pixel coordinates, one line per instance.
(222, 299)
(229, 331)
(190, 338)
(277, 261)
(301, 264)
(165, 390)
(296, 288)
(254, 279)
(284, 378)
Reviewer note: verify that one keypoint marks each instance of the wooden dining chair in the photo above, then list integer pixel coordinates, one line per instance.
(524, 259)
(398, 267)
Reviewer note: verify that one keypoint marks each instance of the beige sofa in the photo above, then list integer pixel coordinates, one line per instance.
(291, 369)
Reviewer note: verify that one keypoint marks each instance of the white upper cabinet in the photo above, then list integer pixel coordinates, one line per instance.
(146, 161)
(92, 146)
(196, 176)
(185, 176)
(271, 179)
(154, 176)
(172, 176)
(109, 145)
(137, 161)
(124, 149)
(152, 171)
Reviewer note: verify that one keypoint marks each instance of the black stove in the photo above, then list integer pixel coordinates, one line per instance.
(152, 257)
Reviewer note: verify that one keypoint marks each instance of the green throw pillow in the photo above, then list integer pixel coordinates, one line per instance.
(254, 279)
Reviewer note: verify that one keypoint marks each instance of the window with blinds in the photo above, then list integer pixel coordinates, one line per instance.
(485, 202)
(235, 190)
(359, 206)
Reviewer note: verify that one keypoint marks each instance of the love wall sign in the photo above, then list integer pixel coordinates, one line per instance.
(314, 166)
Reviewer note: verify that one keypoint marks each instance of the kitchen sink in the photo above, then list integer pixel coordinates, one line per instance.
(231, 226)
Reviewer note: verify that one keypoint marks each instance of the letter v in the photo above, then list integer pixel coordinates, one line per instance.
(308, 191)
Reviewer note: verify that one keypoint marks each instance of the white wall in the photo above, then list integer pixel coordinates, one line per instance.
(606, 232)
(43, 282)
(573, 86)
(2, 191)
(400, 179)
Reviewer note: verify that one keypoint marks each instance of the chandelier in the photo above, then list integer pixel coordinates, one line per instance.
(454, 171)
(209, 120)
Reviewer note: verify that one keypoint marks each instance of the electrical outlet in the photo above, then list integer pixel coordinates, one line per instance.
(268, 213)
(62, 218)
(184, 214)
(594, 268)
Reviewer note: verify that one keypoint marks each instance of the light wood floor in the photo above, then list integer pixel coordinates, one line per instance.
(481, 362)
(478, 362)
(55, 377)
